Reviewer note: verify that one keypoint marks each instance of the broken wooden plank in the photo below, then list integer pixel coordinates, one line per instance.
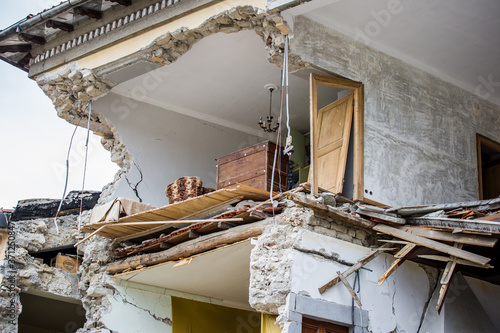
(450, 237)
(191, 247)
(349, 288)
(211, 210)
(335, 214)
(432, 244)
(492, 217)
(360, 263)
(117, 224)
(400, 258)
(459, 261)
(388, 217)
(420, 210)
(89, 236)
(393, 241)
(451, 224)
(446, 278)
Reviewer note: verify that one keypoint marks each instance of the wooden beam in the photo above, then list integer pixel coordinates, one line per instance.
(359, 143)
(122, 2)
(480, 226)
(213, 210)
(32, 38)
(15, 48)
(446, 259)
(191, 247)
(432, 244)
(59, 25)
(282, 27)
(349, 288)
(478, 205)
(337, 82)
(313, 118)
(449, 237)
(335, 214)
(446, 279)
(236, 219)
(82, 11)
(387, 217)
(400, 258)
(92, 234)
(361, 262)
(24, 61)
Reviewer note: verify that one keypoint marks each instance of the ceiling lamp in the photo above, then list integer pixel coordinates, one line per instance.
(267, 127)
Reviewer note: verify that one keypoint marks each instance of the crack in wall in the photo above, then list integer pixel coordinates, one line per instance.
(135, 187)
(165, 320)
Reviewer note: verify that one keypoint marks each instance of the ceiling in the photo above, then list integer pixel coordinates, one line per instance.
(456, 40)
(222, 274)
(222, 80)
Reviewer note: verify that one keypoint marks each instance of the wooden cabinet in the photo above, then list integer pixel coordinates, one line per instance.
(253, 166)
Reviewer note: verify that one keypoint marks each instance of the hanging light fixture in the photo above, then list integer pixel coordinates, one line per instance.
(267, 127)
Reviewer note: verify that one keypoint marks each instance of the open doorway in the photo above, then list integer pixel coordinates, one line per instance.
(488, 167)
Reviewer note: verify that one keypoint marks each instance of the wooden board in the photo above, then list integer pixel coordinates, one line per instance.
(331, 142)
(432, 244)
(174, 212)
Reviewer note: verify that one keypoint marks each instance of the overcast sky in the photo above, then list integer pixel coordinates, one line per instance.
(33, 140)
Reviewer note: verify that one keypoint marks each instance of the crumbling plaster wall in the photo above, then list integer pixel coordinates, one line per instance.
(302, 251)
(419, 130)
(27, 273)
(72, 88)
(111, 307)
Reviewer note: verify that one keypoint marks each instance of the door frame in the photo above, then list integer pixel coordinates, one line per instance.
(482, 140)
(358, 134)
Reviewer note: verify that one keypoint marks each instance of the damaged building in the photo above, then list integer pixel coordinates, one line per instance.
(286, 166)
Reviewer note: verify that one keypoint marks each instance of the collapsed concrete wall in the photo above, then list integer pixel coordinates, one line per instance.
(22, 272)
(302, 251)
(420, 131)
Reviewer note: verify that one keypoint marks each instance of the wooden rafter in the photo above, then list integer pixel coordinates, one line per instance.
(15, 48)
(95, 14)
(122, 2)
(32, 38)
(60, 25)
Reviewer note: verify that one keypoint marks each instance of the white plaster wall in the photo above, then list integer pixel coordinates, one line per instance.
(488, 295)
(397, 304)
(167, 145)
(419, 130)
(138, 311)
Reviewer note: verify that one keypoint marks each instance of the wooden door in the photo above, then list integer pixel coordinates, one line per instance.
(331, 137)
(330, 131)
